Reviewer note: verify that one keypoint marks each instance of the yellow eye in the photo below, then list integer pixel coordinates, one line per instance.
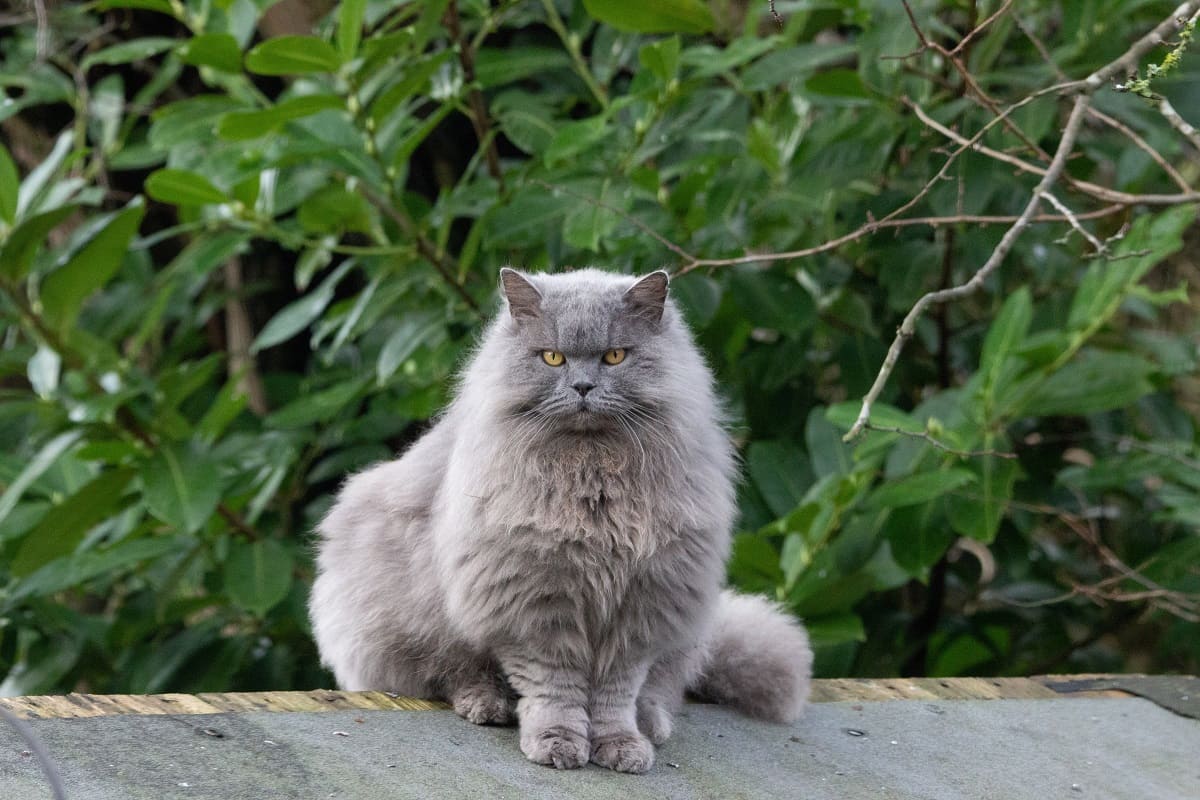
(614, 356)
(553, 358)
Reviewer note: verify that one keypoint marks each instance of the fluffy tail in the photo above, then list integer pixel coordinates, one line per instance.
(759, 660)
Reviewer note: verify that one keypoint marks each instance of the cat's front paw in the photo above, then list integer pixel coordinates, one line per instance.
(624, 752)
(557, 747)
(483, 705)
(654, 721)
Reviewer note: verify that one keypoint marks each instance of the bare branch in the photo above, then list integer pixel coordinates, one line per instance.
(908, 326)
(480, 119)
(1066, 212)
(1142, 145)
(1178, 123)
(1095, 190)
(979, 28)
(1128, 61)
(945, 448)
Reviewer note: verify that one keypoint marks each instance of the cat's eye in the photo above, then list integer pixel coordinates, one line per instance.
(553, 358)
(614, 356)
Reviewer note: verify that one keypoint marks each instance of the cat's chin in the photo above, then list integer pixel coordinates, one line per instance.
(586, 420)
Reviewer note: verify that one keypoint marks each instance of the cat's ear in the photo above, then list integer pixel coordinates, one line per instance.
(646, 298)
(524, 300)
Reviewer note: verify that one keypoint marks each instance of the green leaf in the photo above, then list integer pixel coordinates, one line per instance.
(840, 84)
(258, 574)
(293, 55)
(827, 452)
(349, 27)
(41, 462)
(412, 141)
(1007, 333)
(64, 526)
(831, 629)
(772, 300)
(22, 244)
(660, 16)
(415, 80)
(317, 407)
(661, 58)
(217, 50)
(183, 188)
(920, 488)
(1095, 381)
(414, 330)
(182, 487)
(31, 191)
(576, 137)
(500, 66)
(754, 564)
(978, 517)
(335, 209)
(10, 181)
(161, 6)
(123, 53)
(919, 536)
(781, 474)
(65, 289)
(241, 125)
(63, 573)
(1152, 238)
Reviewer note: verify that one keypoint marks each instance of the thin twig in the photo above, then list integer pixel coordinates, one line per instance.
(1142, 145)
(1127, 62)
(1066, 212)
(1112, 122)
(1092, 189)
(978, 28)
(1178, 123)
(428, 250)
(874, 226)
(908, 326)
(945, 448)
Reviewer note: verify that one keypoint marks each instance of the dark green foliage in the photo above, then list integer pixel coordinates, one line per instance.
(238, 267)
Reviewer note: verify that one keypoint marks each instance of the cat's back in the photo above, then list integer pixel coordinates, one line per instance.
(392, 501)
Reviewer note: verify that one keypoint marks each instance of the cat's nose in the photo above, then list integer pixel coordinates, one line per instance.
(583, 387)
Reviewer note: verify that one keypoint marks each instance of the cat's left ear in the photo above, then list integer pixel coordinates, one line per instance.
(647, 297)
(524, 300)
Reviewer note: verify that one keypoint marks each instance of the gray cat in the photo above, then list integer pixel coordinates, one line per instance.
(560, 533)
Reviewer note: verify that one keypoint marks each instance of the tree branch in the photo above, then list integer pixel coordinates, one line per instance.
(908, 326)
(480, 119)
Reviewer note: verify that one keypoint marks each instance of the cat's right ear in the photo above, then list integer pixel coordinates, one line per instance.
(524, 300)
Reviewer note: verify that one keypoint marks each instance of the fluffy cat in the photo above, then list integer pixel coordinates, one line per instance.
(558, 538)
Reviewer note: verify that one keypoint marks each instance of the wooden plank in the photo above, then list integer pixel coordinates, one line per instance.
(861, 690)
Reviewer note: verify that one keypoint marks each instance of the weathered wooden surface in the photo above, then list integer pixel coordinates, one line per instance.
(920, 739)
(824, 691)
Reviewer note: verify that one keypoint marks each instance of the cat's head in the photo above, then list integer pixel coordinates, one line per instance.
(588, 349)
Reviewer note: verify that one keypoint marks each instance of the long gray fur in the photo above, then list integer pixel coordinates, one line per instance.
(560, 550)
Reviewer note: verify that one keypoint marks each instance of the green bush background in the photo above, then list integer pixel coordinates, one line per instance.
(240, 264)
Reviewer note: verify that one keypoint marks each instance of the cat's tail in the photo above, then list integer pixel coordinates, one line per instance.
(759, 660)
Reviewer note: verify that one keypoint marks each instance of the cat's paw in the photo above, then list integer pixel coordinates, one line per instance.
(624, 752)
(556, 747)
(655, 721)
(483, 705)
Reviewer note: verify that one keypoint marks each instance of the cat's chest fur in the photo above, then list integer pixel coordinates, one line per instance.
(598, 490)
